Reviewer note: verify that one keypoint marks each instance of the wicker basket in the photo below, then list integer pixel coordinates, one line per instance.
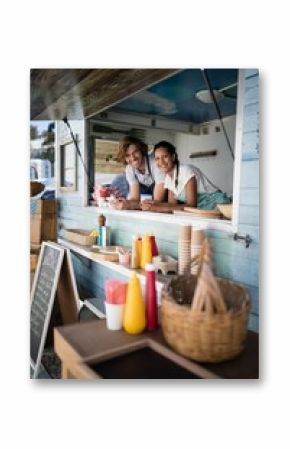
(214, 332)
(202, 336)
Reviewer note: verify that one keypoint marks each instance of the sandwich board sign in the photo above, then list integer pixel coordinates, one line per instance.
(54, 280)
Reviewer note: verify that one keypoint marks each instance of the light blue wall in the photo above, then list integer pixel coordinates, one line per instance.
(231, 259)
(249, 193)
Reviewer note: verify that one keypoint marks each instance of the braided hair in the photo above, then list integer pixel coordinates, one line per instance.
(172, 151)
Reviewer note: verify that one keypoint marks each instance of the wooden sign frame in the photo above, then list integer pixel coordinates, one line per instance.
(64, 290)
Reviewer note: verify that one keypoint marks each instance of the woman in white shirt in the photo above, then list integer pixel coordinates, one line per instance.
(180, 180)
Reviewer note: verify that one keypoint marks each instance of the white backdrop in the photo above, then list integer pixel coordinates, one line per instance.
(150, 34)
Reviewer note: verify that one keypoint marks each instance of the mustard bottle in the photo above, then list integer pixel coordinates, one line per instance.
(135, 260)
(139, 250)
(134, 321)
(146, 256)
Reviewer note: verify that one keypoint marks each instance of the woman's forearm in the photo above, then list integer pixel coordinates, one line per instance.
(165, 207)
(133, 204)
(123, 204)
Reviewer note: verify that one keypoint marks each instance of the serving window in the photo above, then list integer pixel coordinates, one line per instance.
(207, 139)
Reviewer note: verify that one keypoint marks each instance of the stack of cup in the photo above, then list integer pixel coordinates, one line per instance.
(197, 238)
(115, 291)
(184, 251)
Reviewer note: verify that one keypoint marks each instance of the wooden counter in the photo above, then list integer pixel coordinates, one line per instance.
(81, 343)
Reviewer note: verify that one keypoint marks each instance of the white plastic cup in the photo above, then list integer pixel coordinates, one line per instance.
(124, 259)
(114, 316)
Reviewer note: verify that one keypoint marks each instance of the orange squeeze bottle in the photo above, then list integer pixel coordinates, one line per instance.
(146, 251)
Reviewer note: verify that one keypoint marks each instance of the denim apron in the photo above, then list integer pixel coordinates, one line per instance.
(144, 189)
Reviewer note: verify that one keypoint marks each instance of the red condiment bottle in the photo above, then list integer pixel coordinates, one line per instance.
(154, 249)
(151, 298)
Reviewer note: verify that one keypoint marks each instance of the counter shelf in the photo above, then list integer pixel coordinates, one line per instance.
(82, 347)
(85, 251)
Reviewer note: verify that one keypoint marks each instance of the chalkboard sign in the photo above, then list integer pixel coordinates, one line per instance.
(42, 299)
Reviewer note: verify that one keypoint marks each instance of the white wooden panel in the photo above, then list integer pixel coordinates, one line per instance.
(241, 270)
(251, 122)
(249, 197)
(251, 72)
(252, 95)
(250, 174)
(249, 215)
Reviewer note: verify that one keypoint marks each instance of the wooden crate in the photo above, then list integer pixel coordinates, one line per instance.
(79, 236)
(43, 220)
(33, 262)
(34, 253)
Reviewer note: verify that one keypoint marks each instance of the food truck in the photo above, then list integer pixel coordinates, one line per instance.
(211, 117)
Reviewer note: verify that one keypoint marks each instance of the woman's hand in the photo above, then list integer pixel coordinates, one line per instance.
(123, 204)
(153, 206)
(120, 204)
(147, 205)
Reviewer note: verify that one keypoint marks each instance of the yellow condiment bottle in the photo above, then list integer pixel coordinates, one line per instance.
(134, 321)
(139, 250)
(135, 260)
(146, 256)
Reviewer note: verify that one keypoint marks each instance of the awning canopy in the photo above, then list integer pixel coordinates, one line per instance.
(81, 93)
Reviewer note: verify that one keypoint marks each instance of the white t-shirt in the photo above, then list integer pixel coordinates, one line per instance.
(185, 173)
(134, 176)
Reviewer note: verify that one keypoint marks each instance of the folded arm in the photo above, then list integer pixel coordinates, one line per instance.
(172, 204)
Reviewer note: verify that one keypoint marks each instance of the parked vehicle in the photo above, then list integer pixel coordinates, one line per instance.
(40, 170)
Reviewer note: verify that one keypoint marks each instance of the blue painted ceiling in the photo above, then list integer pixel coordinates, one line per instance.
(174, 98)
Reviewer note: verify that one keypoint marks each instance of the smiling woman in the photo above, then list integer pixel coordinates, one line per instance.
(180, 181)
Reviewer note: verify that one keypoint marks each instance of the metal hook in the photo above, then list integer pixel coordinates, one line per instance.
(246, 238)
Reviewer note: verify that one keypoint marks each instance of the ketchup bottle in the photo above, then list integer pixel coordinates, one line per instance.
(154, 249)
(151, 298)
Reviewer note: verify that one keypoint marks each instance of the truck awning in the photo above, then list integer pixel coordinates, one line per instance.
(82, 93)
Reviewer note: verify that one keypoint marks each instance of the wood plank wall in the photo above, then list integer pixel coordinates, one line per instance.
(231, 259)
(249, 193)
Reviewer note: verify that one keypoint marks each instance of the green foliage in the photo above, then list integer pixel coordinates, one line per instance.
(48, 154)
(48, 137)
(33, 132)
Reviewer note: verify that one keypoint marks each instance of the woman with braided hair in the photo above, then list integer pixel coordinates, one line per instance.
(180, 180)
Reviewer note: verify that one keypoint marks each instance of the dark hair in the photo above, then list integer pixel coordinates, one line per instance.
(172, 151)
(124, 145)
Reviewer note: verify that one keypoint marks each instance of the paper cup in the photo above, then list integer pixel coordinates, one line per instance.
(197, 236)
(114, 316)
(184, 252)
(184, 232)
(115, 291)
(124, 259)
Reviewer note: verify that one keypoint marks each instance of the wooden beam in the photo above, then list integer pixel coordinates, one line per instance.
(47, 85)
(203, 154)
(82, 93)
